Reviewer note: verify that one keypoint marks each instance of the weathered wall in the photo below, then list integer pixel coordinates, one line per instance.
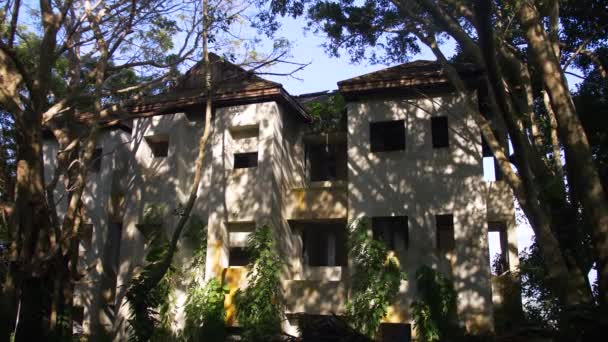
(421, 182)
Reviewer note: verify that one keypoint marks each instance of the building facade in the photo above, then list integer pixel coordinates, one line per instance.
(406, 157)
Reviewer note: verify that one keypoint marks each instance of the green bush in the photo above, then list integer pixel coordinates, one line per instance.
(375, 282)
(434, 313)
(259, 307)
(205, 315)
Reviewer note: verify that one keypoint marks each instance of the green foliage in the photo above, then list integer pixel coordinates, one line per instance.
(147, 302)
(435, 312)
(541, 307)
(205, 315)
(204, 309)
(375, 282)
(329, 115)
(260, 305)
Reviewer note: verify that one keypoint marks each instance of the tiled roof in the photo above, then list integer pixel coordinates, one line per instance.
(417, 73)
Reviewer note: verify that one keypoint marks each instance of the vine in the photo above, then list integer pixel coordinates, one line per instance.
(434, 313)
(260, 305)
(375, 282)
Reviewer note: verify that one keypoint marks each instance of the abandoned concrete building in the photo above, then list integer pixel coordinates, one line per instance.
(406, 156)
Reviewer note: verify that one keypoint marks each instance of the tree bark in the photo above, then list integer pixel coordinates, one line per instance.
(583, 175)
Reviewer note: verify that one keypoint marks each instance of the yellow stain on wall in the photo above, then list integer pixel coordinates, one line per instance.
(232, 277)
(216, 252)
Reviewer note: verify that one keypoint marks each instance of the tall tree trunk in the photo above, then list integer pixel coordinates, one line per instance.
(33, 231)
(582, 174)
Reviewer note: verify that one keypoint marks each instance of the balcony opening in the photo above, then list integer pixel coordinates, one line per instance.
(392, 230)
(323, 244)
(498, 244)
(439, 131)
(387, 136)
(327, 161)
(444, 233)
(245, 160)
(159, 145)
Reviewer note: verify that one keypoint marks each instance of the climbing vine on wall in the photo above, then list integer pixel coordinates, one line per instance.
(375, 280)
(434, 313)
(260, 305)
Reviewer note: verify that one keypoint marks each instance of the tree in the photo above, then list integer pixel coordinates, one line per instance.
(50, 77)
(523, 50)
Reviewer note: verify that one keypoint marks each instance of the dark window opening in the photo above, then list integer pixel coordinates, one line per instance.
(395, 332)
(96, 160)
(445, 232)
(439, 130)
(159, 145)
(245, 160)
(327, 162)
(392, 230)
(324, 245)
(238, 256)
(78, 314)
(387, 135)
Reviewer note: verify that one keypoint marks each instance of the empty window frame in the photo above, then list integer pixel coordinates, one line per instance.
(439, 131)
(245, 160)
(159, 145)
(395, 332)
(327, 162)
(387, 135)
(96, 160)
(498, 244)
(324, 245)
(491, 170)
(238, 256)
(392, 230)
(444, 232)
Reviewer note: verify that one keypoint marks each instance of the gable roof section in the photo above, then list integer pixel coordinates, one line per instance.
(421, 74)
(234, 85)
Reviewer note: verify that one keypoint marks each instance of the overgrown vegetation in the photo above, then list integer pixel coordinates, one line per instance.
(328, 115)
(375, 282)
(147, 301)
(260, 305)
(434, 313)
(204, 309)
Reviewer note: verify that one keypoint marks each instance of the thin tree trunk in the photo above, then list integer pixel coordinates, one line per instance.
(159, 273)
(582, 175)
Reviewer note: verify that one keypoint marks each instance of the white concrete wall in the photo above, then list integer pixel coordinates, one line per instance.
(421, 182)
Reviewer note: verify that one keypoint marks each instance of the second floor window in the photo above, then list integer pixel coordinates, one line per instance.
(392, 230)
(387, 136)
(324, 245)
(445, 232)
(245, 160)
(327, 162)
(439, 131)
(159, 145)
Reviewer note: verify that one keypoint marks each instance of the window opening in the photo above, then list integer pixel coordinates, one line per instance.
(387, 136)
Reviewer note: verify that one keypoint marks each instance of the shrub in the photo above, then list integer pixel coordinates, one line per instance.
(434, 313)
(375, 282)
(260, 305)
